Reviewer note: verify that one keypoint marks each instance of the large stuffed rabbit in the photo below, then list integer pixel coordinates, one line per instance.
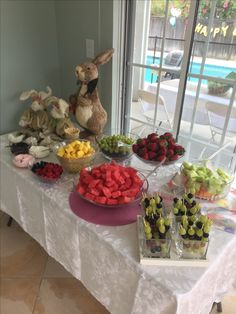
(89, 111)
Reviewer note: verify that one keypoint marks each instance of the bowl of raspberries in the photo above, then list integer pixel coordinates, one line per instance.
(156, 149)
(47, 172)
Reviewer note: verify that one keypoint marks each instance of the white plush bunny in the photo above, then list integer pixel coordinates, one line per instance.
(60, 120)
(36, 117)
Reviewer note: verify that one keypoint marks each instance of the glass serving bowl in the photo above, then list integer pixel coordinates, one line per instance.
(114, 147)
(156, 163)
(136, 199)
(207, 188)
(74, 165)
(45, 179)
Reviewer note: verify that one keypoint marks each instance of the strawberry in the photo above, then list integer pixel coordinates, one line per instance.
(163, 143)
(174, 157)
(153, 137)
(145, 156)
(160, 158)
(170, 152)
(141, 142)
(167, 136)
(162, 151)
(142, 151)
(151, 155)
(135, 148)
(179, 150)
(171, 145)
(152, 147)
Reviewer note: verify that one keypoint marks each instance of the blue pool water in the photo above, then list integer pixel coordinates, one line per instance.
(211, 70)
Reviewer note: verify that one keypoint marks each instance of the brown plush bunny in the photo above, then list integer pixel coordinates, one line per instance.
(89, 111)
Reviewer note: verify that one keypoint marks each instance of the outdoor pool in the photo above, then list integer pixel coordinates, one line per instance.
(211, 70)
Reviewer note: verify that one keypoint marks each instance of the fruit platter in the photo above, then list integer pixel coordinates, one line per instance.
(111, 184)
(176, 235)
(117, 146)
(205, 181)
(155, 149)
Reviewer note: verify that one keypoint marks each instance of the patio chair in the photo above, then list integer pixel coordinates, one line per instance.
(216, 116)
(173, 61)
(148, 102)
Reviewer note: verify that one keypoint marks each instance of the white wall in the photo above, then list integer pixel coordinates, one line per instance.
(41, 43)
(29, 55)
(76, 22)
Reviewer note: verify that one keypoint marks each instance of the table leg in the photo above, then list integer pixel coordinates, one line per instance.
(218, 307)
(9, 223)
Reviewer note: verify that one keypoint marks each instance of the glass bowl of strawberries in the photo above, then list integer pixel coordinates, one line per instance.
(111, 185)
(47, 172)
(155, 149)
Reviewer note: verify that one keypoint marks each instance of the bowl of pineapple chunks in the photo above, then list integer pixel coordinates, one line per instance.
(75, 155)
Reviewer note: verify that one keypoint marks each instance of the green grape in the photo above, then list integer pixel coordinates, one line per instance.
(147, 229)
(184, 218)
(183, 208)
(152, 202)
(191, 231)
(204, 239)
(160, 221)
(157, 199)
(162, 228)
(193, 218)
(148, 236)
(206, 229)
(199, 233)
(182, 230)
(175, 210)
(167, 221)
(203, 219)
(193, 210)
(178, 204)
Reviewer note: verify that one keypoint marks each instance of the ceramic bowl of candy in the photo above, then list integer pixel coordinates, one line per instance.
(193, 238)
(111, 185)
(206, 181)
(47, 172)
(75, 155)
(116, 146)
(155, 149)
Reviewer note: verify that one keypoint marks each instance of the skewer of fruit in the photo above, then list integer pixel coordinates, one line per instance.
(186, 206)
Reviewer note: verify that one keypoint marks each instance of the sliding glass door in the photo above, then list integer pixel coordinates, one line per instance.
(180, 74)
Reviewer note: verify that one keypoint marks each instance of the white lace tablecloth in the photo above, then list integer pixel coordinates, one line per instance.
(106, 259)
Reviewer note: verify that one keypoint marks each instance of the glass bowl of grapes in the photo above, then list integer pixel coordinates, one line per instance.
(115, 146)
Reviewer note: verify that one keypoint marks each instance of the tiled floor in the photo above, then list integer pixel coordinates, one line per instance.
(31, 282)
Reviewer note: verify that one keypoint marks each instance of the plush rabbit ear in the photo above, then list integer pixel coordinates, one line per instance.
(103, 57)
(27, 94)
(44, 95)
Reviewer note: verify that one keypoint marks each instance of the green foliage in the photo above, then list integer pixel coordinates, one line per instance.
(225, 9)
(218, 88)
